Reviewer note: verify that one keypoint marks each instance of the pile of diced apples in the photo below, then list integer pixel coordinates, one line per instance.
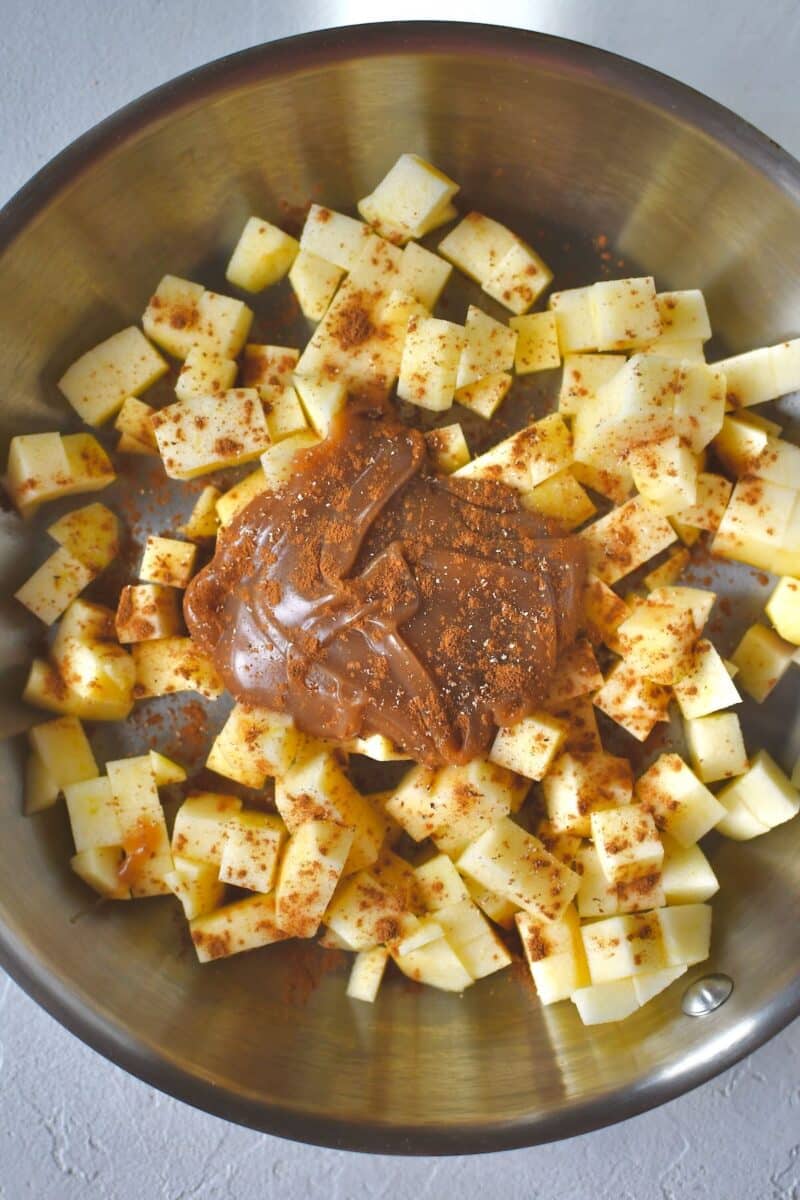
(601, 874)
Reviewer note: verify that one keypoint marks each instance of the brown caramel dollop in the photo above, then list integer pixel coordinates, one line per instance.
(370, 595)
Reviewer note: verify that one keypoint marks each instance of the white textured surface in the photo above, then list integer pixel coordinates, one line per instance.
(73, 1126)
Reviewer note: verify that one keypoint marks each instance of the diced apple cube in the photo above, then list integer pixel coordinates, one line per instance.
(311, 866)
(123, 365)
(485, 396)
(173, 314)
(412, 803)
(583, 735)
(760, 527)
(144, 831)
(89, 466)
(413, 198)
(526, 458)
(477, 245)
(285, 415)
(37, 470)
(223, 324)
(366, 911)
(604, 612)
(86, 622)
(231, 503)
(466, 799)
(165, 770)
(203, 521)
(253, 743)
(99, 867)
(314, 281)
(680, 804)
(196, 885)
(168, 562)
(268, 369)
(689, 351)
(135, 424)
(669, 571)
(627, 843)
(687, 876)
(624, 538)
(439, 883)
(616, 484)
(740, 444)
(604, 1002)
(518, 279)
(64, 750)
(583, 375)
(783, 609)
(529, 747)
(90, 534)
(685, 933)
(652, 983)
(712, 496)
(537, 342)
(171, 665)
(489, 347)
(423, 274)
(508, 860)
(739, 822)
(436, 964)
(447, 448)
(749, 378)
(366, 974)
(622, 946)
(562, 498)
(208, 432)
(473, 939)
(321, 399)
(376, 268)
(204, 373)
(375, 746)
(625, 313)
(261, 257)
(252, 843)
(574, 320)
(147, 611)
(555, 955)
(41, 790)
(54, 586)
(657, 640)
(665, 473)
(244, 925)
(429, 363)
(579, 784)
(684, 315)
(636, 703)
(716, 746)
(762, 658)
(92, 680)
(200, 824)
(93, 815)
(497, 908)
(333, 236)
(765, 790)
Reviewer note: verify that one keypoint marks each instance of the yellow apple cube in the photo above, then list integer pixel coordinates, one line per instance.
(625, 313)
(627, 843)
(749, 378)
(669, 571)
(530, 746)
(652, 983)
(684, 316)
(477, 245)
(366, 974)
(537, 343)
(99, 867)
(687, 876)
(90, 534)
(321, 399)
(579, 784)
(555, 955)
(64, 750)
(261, 257)
(429, 363)
(333, 236)
(473, 939)
(196, 885)
(762, 658)
(624, 539)
(135, 425)
(310, 868)
(574, 320)
(761, 527)
(602, 1003)
(657, 641)
(268, 369)
(206, 433)
(518, 278)
(54, 586)
(447, 448)
(712, 495)
(526, 458)
(562, 498)
(123, 365)
(204, 373)
(783, 609)
(252, 843)
(231, 503)
(439, 883)
(423, 274)
(633, 701)
(172, 315)
(665, 474)
(254, 743)
(168, 562)
(485, 396)
(765, 790)
(40, 790)
(412, 804)
(93, 815)
(583, 376)
(314, 282)
(716, 746)
(622, 946)
(489, 347)
(436, 964)
(685, 933)
(413, 198)
(203, 522)
(147, 611)
(173, 664)
(680, 804)
(37, 470)
(244, 925)
(508, 860)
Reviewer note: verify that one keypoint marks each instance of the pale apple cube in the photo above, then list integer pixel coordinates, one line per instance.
(687, 876)
(100, 678)
(206, 433)
(761, 527)
(93, 816)
(170, 665)
(477, 245)
(485, 396)
(625, 313)
(366, 974)
(652, 983)
(254, 743)
(583, 735)
(314, 282)
(333, 235)
(223, 324)
(749, 378)
(268, 369)
(315, 788)
(54, 586)
(621, 946)
(488, 348)
(627, 843)
(631, 700)
(624, 539)
(90, 534)
(439, 883)
(615, 484)
(310, 868)
(196, 885)
(321, 399)
(447, 448)
(123, 365)
(167, 561)
(37, 470)
(739, 822)
(45, 688)
(285, 415)
(689, 351)
(583, 376)
(604, 612)
(596, 897)
(134, 422)
(554, 953)
(579, 784)
(562, 498)
(602, 1003)
(200, 823)
(86, 622)
(657, 641)
(277, 462)
(244, 925)
(783, 609)
(762, 658)
(165, 770)
(526, 458)
(473, 939)
(252, 843)
(712, 496)
(64, 750)
(204, 373)
(765, 790)
(436, 964)
(518, 279)
(636, 406)
(230, 503)
(365, 911)
(716, 746)
(90, 467)
(172, 315)
(685, 933)
(497, 908)
(423, 274)
(537, 343)
(377, 267)
(413, 803)
(684, 316)
(508, 860)
(262, 256)
(99, 867)
(679, 802)
(665, 474)
(409, 200)
(40, 789)
(786, 366)
(429, 363)
(466, 799)
(530, 746)
(144, 831)
(699, 408)
(740, 444)
(669, 571)
(203, 522)
(147, 611)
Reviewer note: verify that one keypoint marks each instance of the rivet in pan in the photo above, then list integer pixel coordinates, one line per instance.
(706, 994)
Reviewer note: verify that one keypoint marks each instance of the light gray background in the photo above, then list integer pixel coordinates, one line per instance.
(72, 1125)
